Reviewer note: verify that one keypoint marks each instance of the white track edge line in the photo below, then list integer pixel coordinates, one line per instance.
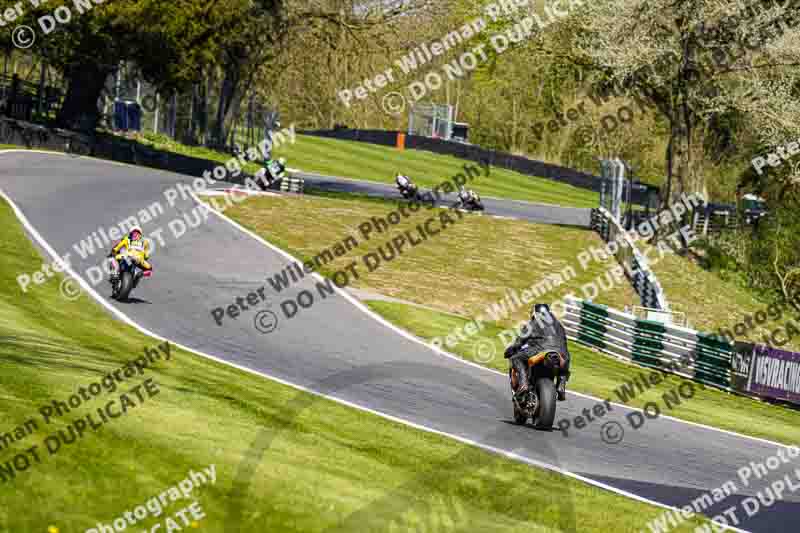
(123, 317)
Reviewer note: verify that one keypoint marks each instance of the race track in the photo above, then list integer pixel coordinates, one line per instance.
(540, 213)
(336, 348)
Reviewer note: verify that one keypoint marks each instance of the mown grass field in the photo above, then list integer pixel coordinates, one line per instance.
(471, 267)
(471, 264)
(380, 164)
(324, 466)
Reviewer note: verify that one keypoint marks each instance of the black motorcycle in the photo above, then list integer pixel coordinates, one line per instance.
(125, 274)
(473, 203)
(539, 403)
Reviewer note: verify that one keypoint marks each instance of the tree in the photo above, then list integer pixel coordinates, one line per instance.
(169, 41)
(694, 61)
(332, 45)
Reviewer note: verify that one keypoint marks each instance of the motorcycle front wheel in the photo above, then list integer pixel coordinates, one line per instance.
(125, 286)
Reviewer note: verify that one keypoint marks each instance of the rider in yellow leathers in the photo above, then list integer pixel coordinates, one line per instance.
(137, 247)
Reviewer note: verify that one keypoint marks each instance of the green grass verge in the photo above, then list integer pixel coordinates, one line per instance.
(600, 375)
(467, 266)
(380, 164)
(324, 466)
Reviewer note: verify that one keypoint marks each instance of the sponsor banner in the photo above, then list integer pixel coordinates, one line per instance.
(775, 373)
(741, 364)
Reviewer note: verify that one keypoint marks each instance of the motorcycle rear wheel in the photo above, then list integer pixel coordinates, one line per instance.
(546, 410)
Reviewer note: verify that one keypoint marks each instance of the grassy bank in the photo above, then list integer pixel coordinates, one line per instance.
(471, 263)
(712, 303)
(372, 162)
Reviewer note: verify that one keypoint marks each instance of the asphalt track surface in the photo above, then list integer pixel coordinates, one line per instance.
(541, 213)
(335, 348)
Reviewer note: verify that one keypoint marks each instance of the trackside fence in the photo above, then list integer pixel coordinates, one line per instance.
(634, 262)
(682, 351)
(743, 368)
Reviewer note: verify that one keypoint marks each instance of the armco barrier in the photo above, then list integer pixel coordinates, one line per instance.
(520, 164)
(698, 356)
(644, 280)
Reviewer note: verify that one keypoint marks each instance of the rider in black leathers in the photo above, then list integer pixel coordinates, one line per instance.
(543, 334)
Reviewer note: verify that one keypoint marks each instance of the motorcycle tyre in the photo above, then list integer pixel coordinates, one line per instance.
(125, 286)
(546, 410)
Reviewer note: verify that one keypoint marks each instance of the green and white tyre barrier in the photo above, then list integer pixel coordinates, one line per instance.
(292, 184)
(683, 351)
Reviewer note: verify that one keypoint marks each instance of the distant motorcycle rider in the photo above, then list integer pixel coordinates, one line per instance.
(467, 197)
(271, 172)
(280, 167)
(407, 187)
(402, 181)
(137, 247)
(544, 333)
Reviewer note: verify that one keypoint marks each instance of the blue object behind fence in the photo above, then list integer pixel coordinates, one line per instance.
(127, 116)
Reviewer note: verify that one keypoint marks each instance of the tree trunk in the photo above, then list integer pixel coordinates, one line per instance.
(227, 96)
(678, 169)
(677, 161)
(233, 111)
(85, 85)
(194, 115)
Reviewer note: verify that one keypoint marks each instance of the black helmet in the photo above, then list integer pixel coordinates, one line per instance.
(541, 311)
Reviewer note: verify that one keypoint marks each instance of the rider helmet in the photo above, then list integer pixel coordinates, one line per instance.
(541, 312)
(540, 308)
(135, 229)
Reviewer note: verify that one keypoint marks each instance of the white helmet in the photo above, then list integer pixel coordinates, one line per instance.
(135, 228)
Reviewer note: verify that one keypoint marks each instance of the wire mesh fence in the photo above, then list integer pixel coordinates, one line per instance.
(32, 91)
